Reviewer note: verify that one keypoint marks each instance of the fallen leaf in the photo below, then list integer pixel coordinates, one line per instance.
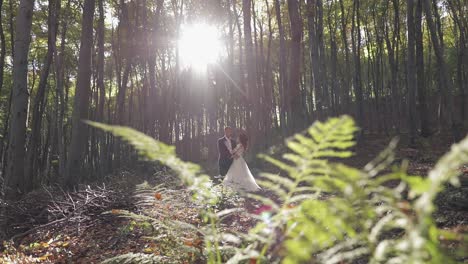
(158, 196)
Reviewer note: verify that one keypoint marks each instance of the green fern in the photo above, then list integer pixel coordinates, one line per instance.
(136, 258)
(323, 211)
(360, 216)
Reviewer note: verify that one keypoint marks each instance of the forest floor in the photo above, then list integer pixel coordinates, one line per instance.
(102, 221)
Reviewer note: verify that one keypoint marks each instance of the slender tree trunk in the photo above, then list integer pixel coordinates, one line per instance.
(322, 71)
(32, 174)
(250, 63)
(19, 102)
(2, 50)
(2, 71)
(356, 46)
(314, 55)
(101, 88)
(283, 76)
(346, 71)
(410, 75)
(81, 103)
(294, 103)
(61, 102)
(420, 76)
(444, 82)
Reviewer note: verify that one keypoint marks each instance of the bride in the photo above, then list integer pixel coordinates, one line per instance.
(239, 176)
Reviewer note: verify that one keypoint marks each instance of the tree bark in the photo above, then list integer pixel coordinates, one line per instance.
(444, 81)
(283, 75)
(253, 102)
(60, 97)
(294, 99)
(356, 46)
(19, 102)
(420, 76)
(2, 50)
(81, 103)
(32, 174)
(410, 75)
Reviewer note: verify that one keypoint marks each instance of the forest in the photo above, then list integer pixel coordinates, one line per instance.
(350, 115)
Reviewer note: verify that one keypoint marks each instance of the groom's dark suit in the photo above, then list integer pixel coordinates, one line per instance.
(224, 159)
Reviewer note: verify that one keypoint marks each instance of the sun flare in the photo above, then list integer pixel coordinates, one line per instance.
(199, 46)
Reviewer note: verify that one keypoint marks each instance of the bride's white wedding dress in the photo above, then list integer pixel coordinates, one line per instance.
(239, 176)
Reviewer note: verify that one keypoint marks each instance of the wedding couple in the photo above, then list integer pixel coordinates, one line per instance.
(232, 165)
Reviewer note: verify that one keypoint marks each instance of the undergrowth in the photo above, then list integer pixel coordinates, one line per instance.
(321, 211)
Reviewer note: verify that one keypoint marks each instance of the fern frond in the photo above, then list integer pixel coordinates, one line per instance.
(283, 181)
(133, 258)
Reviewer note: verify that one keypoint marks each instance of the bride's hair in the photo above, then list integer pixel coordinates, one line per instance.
(244, 140)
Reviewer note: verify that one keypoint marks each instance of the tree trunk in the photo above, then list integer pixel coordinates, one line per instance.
(420, 78)
(410, 76)
(81, 102)
(294, 99)
(314, 56)
(250, 59)
(32, 175)
(346, 71)
(60, 97)
(101, 88)
(444, 81)
(356, 46)
(283, 75)
(19, 102)
(2, 50)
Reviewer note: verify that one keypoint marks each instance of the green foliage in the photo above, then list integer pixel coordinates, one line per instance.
(132, 258)
(322, 210)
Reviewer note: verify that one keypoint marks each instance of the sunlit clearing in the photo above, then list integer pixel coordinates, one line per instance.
(199, 46)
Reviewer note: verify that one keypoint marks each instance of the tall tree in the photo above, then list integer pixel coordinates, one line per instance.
(81, 103)
(410, 75)
(60, 100)
(19, 101)
(420, 76)
(40, 100)
(283, 74)
(356, 47)
(2, 49)
(445, 84)
(249, 52)
(294, 98)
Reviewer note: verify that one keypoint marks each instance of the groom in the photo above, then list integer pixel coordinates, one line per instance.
(225, 146)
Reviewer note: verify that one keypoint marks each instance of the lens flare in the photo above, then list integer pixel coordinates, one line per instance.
(199, 46)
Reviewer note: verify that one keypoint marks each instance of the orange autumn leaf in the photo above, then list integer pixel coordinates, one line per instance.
(158, 196)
